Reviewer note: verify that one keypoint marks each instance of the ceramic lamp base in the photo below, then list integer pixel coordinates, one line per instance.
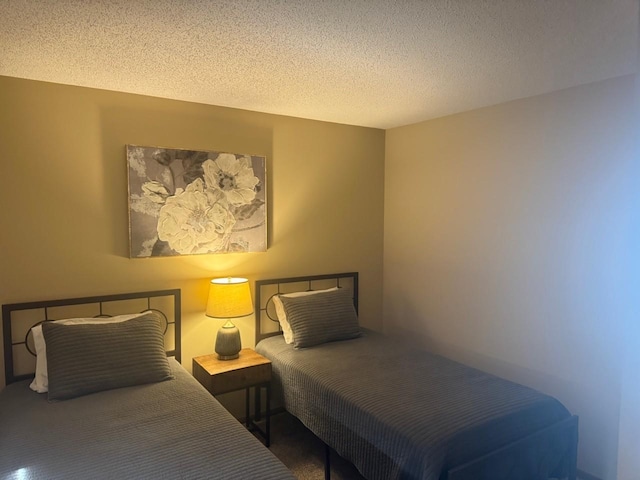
(228, 344)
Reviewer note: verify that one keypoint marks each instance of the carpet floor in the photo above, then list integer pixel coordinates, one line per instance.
(303, 453)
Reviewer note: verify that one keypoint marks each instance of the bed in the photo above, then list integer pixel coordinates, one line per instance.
(119, 404)
(396, 412)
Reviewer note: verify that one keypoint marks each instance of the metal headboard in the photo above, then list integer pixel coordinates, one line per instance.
(17, 330)
(266, 320)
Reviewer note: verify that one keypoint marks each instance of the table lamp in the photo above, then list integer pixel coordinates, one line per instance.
(229, 298)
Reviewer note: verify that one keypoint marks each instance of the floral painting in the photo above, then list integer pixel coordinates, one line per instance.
(185, 202)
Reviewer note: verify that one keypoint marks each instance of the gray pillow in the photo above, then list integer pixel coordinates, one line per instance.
(324, 317)
(83, 359)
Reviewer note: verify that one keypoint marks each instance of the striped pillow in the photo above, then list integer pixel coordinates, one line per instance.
(321, 318)
(287, 333)
(83, 359)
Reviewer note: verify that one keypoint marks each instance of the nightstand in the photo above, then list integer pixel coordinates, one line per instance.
(250, 369)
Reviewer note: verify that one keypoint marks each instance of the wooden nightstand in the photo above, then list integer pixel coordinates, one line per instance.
(250, 369)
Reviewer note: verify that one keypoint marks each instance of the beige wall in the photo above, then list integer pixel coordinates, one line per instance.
(64, 224)
(508, 246)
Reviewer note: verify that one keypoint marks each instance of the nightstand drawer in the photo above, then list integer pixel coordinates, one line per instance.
(234, 380)
(222, 376)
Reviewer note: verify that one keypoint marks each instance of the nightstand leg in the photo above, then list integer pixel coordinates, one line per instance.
(246, 407)
(258, 404)
(268, 416)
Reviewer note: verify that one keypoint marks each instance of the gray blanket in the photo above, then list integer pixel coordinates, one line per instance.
(168, 430)
(403, 414)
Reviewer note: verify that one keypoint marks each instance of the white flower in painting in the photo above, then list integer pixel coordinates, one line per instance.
(155, 191)
(154, 194)
(232, 176)
(195, 220)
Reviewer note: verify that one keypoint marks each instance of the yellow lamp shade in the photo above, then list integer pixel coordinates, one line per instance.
(229, 298)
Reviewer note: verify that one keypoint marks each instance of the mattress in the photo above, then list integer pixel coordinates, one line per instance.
(397, 413)
(173, 429)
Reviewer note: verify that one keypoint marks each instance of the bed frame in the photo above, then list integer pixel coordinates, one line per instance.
(19, 318)
(511, 461)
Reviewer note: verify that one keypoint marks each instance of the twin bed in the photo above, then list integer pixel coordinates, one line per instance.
(118, 407)
(397, 413)
(145, 417)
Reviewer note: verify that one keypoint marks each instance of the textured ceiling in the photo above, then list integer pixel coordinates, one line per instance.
(378, 63)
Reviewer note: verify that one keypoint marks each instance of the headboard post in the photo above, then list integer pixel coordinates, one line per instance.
(280, 282)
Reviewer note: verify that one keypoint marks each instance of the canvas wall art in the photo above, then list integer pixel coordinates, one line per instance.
(187, 202)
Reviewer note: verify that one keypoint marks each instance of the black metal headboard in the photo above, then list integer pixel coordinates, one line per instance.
(19, 318)
(266, 320)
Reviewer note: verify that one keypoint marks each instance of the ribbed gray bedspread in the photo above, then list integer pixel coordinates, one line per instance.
(168, 430)
(402, 414)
